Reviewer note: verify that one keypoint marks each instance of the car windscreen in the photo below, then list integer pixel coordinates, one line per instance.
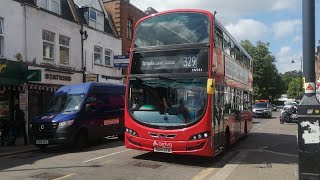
(260, 105)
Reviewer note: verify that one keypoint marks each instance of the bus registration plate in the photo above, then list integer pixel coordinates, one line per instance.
(163, 150)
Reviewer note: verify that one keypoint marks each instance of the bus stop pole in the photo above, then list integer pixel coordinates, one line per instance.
(309, 107)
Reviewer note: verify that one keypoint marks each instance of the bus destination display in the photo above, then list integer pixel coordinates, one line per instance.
(179, 61)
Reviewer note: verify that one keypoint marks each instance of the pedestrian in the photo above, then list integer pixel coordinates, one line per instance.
(20, 122)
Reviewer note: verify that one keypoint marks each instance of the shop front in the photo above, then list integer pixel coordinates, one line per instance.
(42, 84)
(12, 90)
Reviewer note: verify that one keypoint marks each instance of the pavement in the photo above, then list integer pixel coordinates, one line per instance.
(269, 153)
(16, 149)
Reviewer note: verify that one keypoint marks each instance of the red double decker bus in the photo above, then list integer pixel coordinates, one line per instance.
(189, 86)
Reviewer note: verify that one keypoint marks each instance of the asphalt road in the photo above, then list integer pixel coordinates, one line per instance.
(111, 160)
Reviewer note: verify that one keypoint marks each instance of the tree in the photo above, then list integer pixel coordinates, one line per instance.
(287, 77)
(294, 88)
(267, 83)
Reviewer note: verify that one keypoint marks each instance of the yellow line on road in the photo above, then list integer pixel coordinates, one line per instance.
(203, 174)
(66, 176)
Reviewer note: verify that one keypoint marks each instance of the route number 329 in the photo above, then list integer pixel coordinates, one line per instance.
(190, 61)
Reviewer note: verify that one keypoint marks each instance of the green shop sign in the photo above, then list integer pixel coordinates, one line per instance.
(12, 72)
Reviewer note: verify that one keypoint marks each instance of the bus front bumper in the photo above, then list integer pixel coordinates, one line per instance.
(200, 147)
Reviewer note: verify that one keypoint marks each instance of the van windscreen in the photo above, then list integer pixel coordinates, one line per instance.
(66, 103)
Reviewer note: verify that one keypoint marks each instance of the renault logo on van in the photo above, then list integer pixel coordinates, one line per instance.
(41, 128)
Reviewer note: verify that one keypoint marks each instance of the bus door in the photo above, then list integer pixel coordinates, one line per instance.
(217, 118)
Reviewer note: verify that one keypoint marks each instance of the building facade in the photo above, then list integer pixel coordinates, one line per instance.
(125, 16)
(45, 44)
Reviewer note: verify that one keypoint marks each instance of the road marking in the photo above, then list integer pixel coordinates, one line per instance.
(107, 155)
(258, 128)
(101, 164)
(203, 174)
(66, 176)
(225, 172)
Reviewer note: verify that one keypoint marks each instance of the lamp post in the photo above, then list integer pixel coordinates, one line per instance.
(309, 107)
(301, 74)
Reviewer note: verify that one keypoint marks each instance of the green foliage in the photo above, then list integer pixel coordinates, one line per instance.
(287, 77)
(267, 82)
(294, 88)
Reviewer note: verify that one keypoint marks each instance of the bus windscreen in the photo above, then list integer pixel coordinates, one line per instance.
(173, 29)
(167, 102)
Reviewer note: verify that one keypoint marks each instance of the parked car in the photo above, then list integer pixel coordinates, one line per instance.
(80, 113)
(262, 109)
(273, 107)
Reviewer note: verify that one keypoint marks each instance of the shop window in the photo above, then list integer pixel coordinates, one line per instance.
(48, 45)
(98, 55)
(64, 49)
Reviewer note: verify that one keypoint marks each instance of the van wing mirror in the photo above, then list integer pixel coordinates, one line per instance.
(211, 86)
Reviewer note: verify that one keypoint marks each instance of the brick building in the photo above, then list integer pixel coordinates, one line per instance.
(125, 16)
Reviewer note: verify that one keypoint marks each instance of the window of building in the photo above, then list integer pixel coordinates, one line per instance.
(48, 44)
(51, 5)
(130, 29)
(64, 49)
(96, 20)
(107, 57)
(1, 36)
(97, 55)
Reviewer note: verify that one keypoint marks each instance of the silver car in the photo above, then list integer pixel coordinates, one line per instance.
(262, 109)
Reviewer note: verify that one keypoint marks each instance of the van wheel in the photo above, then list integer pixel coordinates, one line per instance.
(82, 140)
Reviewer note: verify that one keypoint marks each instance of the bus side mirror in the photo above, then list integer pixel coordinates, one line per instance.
(210, 86)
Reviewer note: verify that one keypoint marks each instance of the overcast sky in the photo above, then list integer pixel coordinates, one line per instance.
(278, 22)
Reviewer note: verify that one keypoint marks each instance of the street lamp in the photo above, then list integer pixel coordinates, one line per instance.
(301, 74)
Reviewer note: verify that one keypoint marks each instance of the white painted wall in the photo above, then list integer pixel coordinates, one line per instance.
(39, 20)
(14, 41)
(106, 42)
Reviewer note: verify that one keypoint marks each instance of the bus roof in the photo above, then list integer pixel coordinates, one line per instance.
(84, 87)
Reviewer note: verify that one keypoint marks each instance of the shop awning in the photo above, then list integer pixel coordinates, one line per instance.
(12, 72)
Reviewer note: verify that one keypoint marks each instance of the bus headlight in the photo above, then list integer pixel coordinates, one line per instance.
(200, 136)
(131, 132)
(66, 123)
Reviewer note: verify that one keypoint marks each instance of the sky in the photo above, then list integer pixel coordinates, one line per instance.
(278, 22)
